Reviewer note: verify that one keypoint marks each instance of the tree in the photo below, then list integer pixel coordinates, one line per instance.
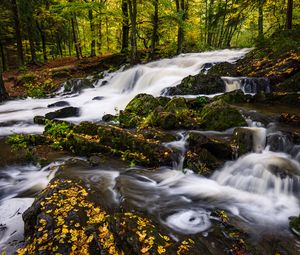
(289, 14)
(3, 93)
(125, 27)
(18, 31)
(154, 37)
(260, 20)
(133, 37)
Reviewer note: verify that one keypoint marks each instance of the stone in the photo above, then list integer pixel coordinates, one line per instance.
(63, 113)
(59, 104)
(198, 84)
(218, 115)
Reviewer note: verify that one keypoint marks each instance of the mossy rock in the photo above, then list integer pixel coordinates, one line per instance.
(176, 104)
(242, 141)
(218, 115)
(142, 105)
(223, 69)
(128, 119)
(295, 225)
(234, 97)
(198, 84)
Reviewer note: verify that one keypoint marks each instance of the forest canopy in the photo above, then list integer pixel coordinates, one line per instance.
(35, 31)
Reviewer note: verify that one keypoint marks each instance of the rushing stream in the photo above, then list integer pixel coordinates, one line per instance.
(261, 189)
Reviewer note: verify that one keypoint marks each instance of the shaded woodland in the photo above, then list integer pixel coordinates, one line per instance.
(34, 32)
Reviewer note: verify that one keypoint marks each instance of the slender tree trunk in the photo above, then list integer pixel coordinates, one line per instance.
(75, 39)
(99, 43)
(260, 20)
(31, 42)
(154, 38)
(107, 34)
(220, 42)
(18, 32)
(289, 15)
(125, 27)
(3, 93)
(3, 59)
(92, 27)
(133, 38)
(209, 22)
(43, 38)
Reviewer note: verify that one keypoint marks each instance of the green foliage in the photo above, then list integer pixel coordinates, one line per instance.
(27, 77)
(39, 90)
(57, 129)
(17, 142)
(202, 101)
(58, 133)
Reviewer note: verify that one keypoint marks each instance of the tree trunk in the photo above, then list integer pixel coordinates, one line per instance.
(260, 20)
(3, 59)
(125, 27)
(3, 93)
(133, 38)
(92, 27)
(18, 32)
(43, 38)
(107, 34)
(209, 23)
(31, 42)
(75, 39)
(289, 15)
(154, 38)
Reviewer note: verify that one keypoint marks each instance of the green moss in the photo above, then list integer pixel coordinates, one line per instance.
(218, 115)
(295, 224)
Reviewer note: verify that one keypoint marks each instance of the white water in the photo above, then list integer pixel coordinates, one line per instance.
(150, 78)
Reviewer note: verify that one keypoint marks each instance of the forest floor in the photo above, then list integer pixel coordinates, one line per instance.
(51, 74)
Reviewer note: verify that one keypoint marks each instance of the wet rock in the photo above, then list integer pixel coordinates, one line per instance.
(142, 104)
(234, 97)
(223, 69)
(136, 109)
(63, 113)
(58, 104)
(41, 120)
(218, 115)
(176, 104)
(109, 117)
(242, 141)
(98, 98)
(88, 138)
(295, 225)
(206, 154)
(76, 85)
(65, 218)
(198, 84)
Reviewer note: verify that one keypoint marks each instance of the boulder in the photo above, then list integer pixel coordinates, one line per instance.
(59, 104)
(218, 115)
(76, 85)
(234, 97)
(204, 154)
(109, 117)
(63, 113)
(142, 105)
(223, 69)
(242, 141)
(198, 84)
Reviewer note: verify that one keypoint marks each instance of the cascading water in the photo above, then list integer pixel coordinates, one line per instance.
(180, 147)
(118, 90)
(247, 85)
(260, 188)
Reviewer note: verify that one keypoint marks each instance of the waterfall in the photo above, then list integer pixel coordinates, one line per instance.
(115, 90)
